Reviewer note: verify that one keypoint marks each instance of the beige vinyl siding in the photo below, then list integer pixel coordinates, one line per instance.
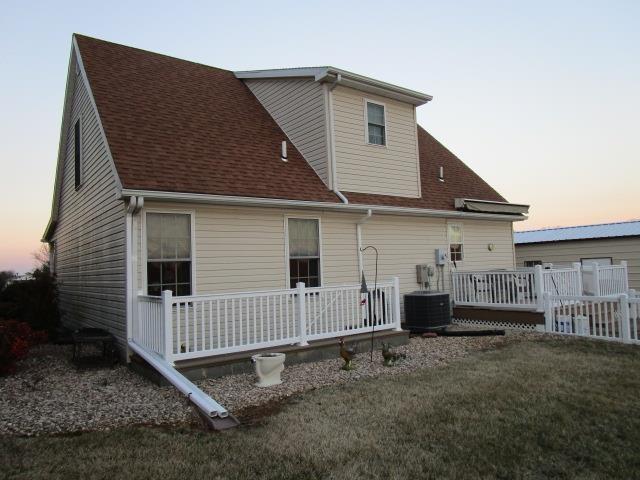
(90, 234)
(298, 107)
(478, 235)
(386, 170)
(567, 252)
(243, 248)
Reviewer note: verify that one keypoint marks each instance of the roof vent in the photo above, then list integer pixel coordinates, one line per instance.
(283, 154)
(441, 174)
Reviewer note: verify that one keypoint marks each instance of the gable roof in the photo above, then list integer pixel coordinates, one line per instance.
(179, 126)
(582, 232)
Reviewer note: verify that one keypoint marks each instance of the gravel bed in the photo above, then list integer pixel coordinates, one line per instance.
(48, 395)
(238, 392)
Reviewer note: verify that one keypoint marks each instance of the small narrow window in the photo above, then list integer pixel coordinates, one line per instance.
(376, 129)
(168, 253)
(77, 154)
(304, 252)
(456, 243)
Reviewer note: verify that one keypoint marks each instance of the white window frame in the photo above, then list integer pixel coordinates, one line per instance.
(461, 227)
(143, 244)
(366, 123)
(286, 247)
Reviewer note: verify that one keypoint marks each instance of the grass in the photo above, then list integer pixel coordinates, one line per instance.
(552, 408)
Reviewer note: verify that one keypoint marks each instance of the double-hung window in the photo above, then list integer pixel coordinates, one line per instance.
(168, 253)
(304, 251)
(376, 128)
(456, 242)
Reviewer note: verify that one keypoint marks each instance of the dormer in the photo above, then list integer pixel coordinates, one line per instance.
(359, 134)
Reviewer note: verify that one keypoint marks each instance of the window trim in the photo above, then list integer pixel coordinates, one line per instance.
(287, 279)
(366, 123)
(461, 226)
(143, 244)
(77, 152)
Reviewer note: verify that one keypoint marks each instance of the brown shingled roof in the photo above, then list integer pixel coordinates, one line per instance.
(178, 126)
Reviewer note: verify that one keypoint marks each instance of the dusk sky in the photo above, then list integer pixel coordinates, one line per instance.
(542, 99)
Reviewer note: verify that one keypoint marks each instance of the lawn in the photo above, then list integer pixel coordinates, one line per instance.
(551, 408)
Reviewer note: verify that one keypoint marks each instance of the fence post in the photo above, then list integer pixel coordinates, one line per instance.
(396, 304)
(167, 322)
(625, 273)
(624, 318)
(539, 283)
(302, 314)
(578, 268)
(596, 279)
(548, 320)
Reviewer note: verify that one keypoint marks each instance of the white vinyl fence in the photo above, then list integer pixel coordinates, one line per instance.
(179, 328)
(604, 317)
(605, 279)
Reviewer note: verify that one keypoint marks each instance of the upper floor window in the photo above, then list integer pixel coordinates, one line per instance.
(169, 253)
(304, 252)
(532, 263)
(77, 154)
(456, 242)
(376, 128)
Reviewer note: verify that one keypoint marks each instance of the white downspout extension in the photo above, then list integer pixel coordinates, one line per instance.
(332, 152)
(359, 224)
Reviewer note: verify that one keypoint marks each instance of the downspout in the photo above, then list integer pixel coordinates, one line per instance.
(359, 224)
(332, 153)
(133, 207)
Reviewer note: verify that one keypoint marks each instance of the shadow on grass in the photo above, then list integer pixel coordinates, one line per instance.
(552, 408)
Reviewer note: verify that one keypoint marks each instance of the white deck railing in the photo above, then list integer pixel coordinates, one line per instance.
(605, 279)
(180, 328)
(508, 289)
(604, 317)
(524, 289)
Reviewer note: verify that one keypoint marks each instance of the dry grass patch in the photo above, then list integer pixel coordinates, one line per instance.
(548, 408)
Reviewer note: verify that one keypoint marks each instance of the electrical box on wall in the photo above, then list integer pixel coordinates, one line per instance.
(423, 273)
(441, 256)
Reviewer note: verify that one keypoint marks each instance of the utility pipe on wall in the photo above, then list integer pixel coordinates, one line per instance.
(133, 207)
(359, 224)
(332, 150)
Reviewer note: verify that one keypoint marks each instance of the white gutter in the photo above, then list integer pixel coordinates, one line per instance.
(285, 203)
(203, 401)
(359, 224)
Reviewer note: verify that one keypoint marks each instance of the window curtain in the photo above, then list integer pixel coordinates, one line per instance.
(303, 238)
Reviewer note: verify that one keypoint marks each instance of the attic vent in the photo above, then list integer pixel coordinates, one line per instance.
(441, 174)
(283, 154)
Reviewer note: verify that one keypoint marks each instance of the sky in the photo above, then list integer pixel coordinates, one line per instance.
(540, 98)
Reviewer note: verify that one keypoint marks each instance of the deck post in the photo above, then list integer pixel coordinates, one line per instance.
(167, 325)
(548, 320)
(625, 331)
(539, 283)
(302, 314)
(396, 304)
(625, 273)
(578, 268)
(596, 279)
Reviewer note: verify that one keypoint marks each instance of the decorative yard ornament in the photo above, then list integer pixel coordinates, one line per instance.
(347, 355)
(390, 357)
(372, 307)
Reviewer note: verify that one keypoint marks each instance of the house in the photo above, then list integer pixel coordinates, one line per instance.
(602, 244)
(176, 176)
